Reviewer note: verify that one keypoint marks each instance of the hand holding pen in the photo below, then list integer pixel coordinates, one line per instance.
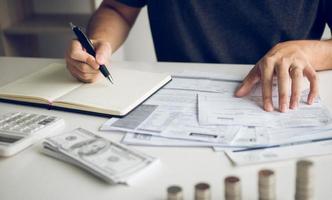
(85, 63)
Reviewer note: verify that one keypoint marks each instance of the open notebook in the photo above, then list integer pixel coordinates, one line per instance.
(54, 86)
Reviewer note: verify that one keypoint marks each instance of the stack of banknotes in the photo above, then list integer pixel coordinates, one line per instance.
(112, 162)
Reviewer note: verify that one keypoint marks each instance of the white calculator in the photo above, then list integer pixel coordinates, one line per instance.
(19, 130)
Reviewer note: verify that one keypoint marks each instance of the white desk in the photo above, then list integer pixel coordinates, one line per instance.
(32, 175)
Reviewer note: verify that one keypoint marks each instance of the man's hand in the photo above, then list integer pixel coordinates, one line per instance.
(109, 26)
(289, 62)
(82, 65)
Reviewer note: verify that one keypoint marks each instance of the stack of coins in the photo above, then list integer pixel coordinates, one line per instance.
(304, 180)
(266, 185)
(232, 188)
(174, 192)
(202, 191)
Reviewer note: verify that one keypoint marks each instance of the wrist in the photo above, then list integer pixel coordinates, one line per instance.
(319, 54)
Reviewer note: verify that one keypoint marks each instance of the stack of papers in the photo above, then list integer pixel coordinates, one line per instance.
(278, 153)
(198, 109)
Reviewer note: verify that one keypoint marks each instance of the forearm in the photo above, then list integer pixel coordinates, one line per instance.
(111, 23)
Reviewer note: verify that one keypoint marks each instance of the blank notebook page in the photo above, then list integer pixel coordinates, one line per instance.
(49, 83)
(130, 88)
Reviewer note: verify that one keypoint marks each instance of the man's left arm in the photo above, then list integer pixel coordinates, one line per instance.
(289, 61)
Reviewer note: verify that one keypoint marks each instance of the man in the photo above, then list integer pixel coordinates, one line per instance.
(282, 37)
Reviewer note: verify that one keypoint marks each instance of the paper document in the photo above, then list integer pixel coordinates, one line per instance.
(240, 157)
(251, 136)
(172, 114)
(150, 140)
(198, 109)
(218, 109)
(204, 82)
(287, 135)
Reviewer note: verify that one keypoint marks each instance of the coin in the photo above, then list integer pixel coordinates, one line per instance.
(202, 191)
(304, 180)
(174, 192)
(232, 188)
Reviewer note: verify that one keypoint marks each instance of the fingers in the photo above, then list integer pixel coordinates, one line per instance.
(296, 74)
(284, 71)
(267, 69)
(82, 71)
(84, 66)
(313, 79)
(290, 61)
(103, 52)
(77, 53)
(283, 81)
(249, 82)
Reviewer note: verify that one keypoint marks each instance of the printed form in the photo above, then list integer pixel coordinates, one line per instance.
(199, 109)
(172, 112)
(219, 109)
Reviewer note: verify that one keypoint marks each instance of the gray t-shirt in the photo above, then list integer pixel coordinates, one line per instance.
(230, 31)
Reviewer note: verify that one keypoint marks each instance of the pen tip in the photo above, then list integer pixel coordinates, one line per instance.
(109, 78)
(71, 25)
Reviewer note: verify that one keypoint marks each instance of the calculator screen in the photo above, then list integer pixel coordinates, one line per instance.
(8, 140)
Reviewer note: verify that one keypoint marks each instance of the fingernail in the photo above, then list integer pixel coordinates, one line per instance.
(294, 105)
(311, 101)
(238, 93)
(100, 59)
(283, 107)
(269, 108)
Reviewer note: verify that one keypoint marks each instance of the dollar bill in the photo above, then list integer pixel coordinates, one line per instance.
(110, 161)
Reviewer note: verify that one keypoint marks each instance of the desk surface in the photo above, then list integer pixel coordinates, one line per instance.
(32, 175)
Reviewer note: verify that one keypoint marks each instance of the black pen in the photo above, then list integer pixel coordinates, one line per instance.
(86, 43)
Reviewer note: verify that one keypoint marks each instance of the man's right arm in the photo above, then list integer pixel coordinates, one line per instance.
(107, 29)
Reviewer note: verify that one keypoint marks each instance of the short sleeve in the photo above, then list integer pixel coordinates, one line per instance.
(328, 12)
(134, 3)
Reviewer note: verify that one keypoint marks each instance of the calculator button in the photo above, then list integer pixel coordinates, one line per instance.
(47, 121)
(24, 123)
